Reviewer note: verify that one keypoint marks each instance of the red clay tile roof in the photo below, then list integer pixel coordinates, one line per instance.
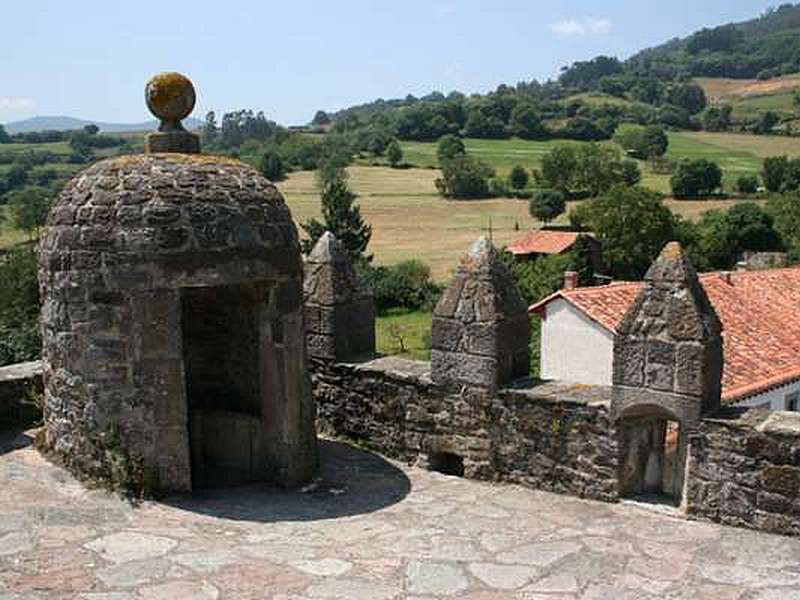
(542, 241)
(760, 314)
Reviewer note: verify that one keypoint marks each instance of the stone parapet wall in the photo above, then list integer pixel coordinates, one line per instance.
(552, 437)
(557, 437)
(744, 470)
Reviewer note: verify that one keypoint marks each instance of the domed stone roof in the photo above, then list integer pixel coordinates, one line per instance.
(167, 203)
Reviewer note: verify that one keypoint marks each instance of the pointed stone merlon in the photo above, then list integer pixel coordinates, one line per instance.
(670, 340)
(339, 308)
(481, 328)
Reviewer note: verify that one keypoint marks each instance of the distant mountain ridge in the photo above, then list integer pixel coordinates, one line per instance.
(63, 123)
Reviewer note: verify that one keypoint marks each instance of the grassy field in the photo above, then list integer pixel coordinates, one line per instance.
(410, 220)
(61, 148)
(502, 155)
(752, 96)
(8, 235)
(410, 328)
(734, 159)
(735, 153)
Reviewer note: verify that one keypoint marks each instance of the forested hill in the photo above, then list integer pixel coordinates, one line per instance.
(643, 88)
(763, 47)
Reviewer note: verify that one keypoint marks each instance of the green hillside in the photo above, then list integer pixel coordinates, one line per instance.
(763, 47)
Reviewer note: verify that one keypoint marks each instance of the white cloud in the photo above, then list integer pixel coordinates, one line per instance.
(444, 10)
(12, 104)
(581, 27)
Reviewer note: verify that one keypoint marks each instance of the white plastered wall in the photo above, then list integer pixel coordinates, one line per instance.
(574, 349)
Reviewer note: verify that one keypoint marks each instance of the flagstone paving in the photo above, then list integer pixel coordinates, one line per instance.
(367, 529)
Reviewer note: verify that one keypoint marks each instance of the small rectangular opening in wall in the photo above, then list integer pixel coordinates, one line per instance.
(446, 463)
(653, 460)
(221, 339)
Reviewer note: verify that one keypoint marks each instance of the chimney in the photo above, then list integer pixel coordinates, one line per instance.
(741, 266)
(570, 280)
(726, 276)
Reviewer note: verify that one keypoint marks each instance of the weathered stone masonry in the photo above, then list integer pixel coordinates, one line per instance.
(552, 437)
(744, 469)
(739, 468)
(468, 412)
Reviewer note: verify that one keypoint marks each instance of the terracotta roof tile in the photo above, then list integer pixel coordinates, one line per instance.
(760, 314)
(542, 241)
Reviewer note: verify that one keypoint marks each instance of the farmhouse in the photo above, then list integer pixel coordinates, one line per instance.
(760, 330)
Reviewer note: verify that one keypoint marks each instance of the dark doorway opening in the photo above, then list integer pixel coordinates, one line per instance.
(653, 460)
(446, 463)
(221, 342)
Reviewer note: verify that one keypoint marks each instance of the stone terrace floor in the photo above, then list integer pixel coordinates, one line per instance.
(369, 530)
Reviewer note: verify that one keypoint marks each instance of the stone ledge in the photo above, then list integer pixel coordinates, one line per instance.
(556, 391)
(405, 369)
(781, 423)
(21, 372)
(738, 417)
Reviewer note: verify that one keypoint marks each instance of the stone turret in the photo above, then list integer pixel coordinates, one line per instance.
(670, 339)
(481, 328)
(339, 309)
(172, 322)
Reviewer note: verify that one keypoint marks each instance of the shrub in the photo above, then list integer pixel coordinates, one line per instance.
(696, 178)
(394, 154)
(781, 174)
(271, 166)
(518, 177)
(747, 184)
(449, 147)
(631, 175)
(464, 177)
(546, 205)
(724, 235)
(28, 208)
(405, 285)
(19, 306)
(498, 187)
(642, 142)
(774, 172)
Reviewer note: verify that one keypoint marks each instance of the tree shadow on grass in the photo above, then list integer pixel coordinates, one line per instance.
(349, 482)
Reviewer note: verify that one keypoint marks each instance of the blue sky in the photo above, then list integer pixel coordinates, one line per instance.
(90, 59)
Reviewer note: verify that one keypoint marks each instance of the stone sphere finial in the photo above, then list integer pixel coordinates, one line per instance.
(171, 97)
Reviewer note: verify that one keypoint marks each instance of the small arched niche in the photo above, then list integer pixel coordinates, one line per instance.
(652, 447)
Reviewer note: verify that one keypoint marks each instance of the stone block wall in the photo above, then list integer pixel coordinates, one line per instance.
(743, 465)
(552, 437)
(744, 470)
